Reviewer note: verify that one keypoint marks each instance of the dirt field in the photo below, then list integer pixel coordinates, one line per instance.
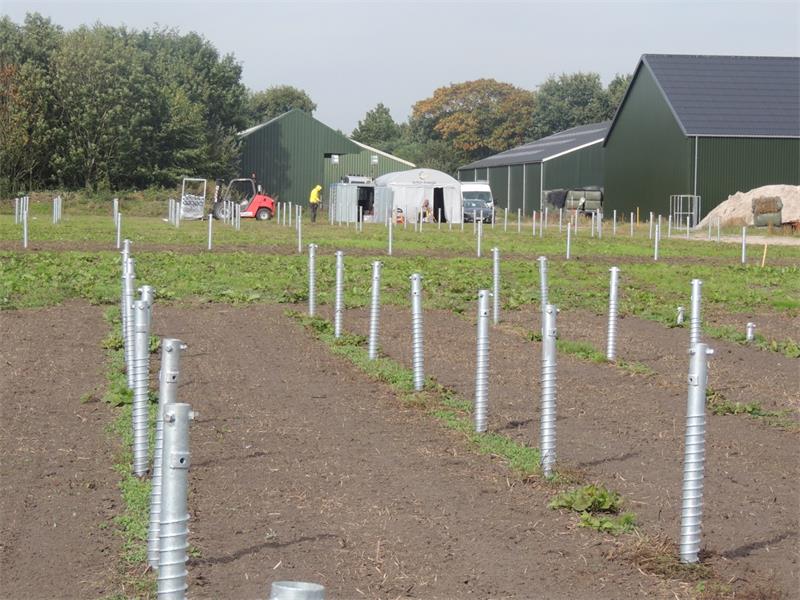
(58, 492)
(627, 430)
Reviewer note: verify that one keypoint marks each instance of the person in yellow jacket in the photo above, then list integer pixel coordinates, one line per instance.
(314, 199)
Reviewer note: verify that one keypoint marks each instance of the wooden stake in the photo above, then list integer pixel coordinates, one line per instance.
(764, 256)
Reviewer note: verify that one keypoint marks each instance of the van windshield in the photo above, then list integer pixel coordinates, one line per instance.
(485, 197)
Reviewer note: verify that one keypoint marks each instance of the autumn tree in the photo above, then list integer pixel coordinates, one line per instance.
(475, 118)
(274, 101)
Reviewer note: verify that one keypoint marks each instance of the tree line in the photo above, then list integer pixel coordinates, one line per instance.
(107, 108)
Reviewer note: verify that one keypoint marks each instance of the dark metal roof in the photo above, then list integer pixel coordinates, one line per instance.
(547, 147)
(756, 96)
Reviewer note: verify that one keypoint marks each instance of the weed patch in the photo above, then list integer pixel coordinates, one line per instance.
(598, 508)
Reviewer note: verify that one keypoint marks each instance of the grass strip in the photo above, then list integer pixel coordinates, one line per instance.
(718, 404)
(788, 347)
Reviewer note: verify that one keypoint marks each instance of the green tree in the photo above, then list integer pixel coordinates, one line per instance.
(616, 91)
(274, 101)
(475, 118)
(378, 129)
(568, 101)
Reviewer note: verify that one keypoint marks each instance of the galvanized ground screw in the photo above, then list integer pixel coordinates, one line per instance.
(496, 285)
(548, 419)
(296, 590)
(167, 394)
(128, 290)
(480, 235)
(533, 224)
(542, 281)
(148, 295)
(25, 229)
(290, 214)
(744, 245)
(375, 310)
(519, 220)
(750, 332)
(611, 346)
(391, 235)
(688, 230)
(505, 220)
(417, 354)
(655, 243)
(312, 280)
(719, 227)
(681, 315)
(560, 219)
(141, 379)
(210, 226)
(651, 226)
(631, 224)
(338, 306)
(669, 226)
(119, 228)
(614, 223)
(114, 210)
(173, 528)
(300, 230)
(569, 239)
(482, 362)
(694, 318)
(694, 454)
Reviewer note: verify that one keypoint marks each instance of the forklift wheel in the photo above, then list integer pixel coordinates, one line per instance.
(263, 214)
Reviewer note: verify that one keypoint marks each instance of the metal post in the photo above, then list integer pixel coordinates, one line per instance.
(339, 301)
(669, 226)
(141, 379)
(544, 218)
(482, 362)
(374, 310)
(631, 224)
(290, 214)
(534, 223)
(744, 244)
(750, 332)
(417, 354)
(173, 529)
(651, 227)
(655, 243)
(543, 281)
(681, 315)
(178, 204)
(519, 220)
(547, 443)
(694, 454)
(614, 223)
(560, 218)
(719, 226)
(439, 220)
(115, 210)
(591, 226)
(16, 211)
(278, 214)
(119, 228)
(312, 279)
(505, 220)
(129, 285)
(300, 230)
(25, 229)
(296, 590)
(541, 224)
(694, 318)
(687, 227)
(611, 346)
(496, 285)
(391, 235)
(569, 238)
(480, 235)
(167, 394)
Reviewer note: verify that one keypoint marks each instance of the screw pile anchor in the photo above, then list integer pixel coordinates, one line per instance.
(482, 362)
(548, 418)
(417, 355)
(375, 310)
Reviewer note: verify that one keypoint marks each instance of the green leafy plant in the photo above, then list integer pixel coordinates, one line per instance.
(588, 498)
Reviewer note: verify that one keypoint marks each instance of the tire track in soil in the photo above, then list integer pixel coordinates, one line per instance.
(57, 484)
(305, 469)
(627, 431)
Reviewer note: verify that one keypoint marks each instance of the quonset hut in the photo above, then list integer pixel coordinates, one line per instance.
(521, 177)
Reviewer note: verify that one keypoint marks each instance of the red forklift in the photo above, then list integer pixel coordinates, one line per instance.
(253, 202)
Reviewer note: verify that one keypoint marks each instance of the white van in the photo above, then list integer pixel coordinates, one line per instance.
(477, 190)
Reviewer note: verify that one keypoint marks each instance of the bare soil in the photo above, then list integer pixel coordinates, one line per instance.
(627, 431)
(58, 490)
(304, 469)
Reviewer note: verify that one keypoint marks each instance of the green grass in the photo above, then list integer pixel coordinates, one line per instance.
(719, 405)
(787, 347)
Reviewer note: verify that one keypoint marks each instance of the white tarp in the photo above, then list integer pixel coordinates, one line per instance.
(409, 190)
(193, 205)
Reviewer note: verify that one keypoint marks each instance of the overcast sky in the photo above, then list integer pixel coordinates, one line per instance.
(351, 55)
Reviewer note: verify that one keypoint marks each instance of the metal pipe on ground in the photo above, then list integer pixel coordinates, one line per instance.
(496, 285)
(611, 345)
(312, 280)
(339, 299)
(374, 310)
(482, 363)
(547, 441)
(417, 348)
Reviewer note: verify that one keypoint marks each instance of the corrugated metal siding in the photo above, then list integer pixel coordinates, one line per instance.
(533, 178)
(466, 175)
(647, 157)
(730, 165)
(575, 170)
(498, 181)
(361, 164)
(516, 188)
(288, 155)
(481, 174)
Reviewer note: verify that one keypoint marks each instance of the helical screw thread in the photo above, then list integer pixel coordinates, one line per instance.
(496, 285)
(417, 356)
(548, 418)
(312, 280)
(339, 301)
(482, 363)
(694, 318)
(374, 310)
(141, 376)
(694, 455)
(130, 286)
(543, 282)
(611, 347)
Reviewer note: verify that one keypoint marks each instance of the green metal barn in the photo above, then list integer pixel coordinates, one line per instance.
(293, 152)
(703, 125)
(522, 176)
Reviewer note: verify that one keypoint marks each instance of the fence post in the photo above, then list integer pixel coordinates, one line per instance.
(167, 394)
(339, 300)
(548, 417)
(496, 285)
(375, 310)
(744, 245)
(569, 238)
(480, 234)
(300, 230)
(614, 223)
(482, 362)
(173, 529)
(611, 347)
(631, 224)
(417, 349)
(694, 454)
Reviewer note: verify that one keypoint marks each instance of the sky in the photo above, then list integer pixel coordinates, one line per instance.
(349, 56)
